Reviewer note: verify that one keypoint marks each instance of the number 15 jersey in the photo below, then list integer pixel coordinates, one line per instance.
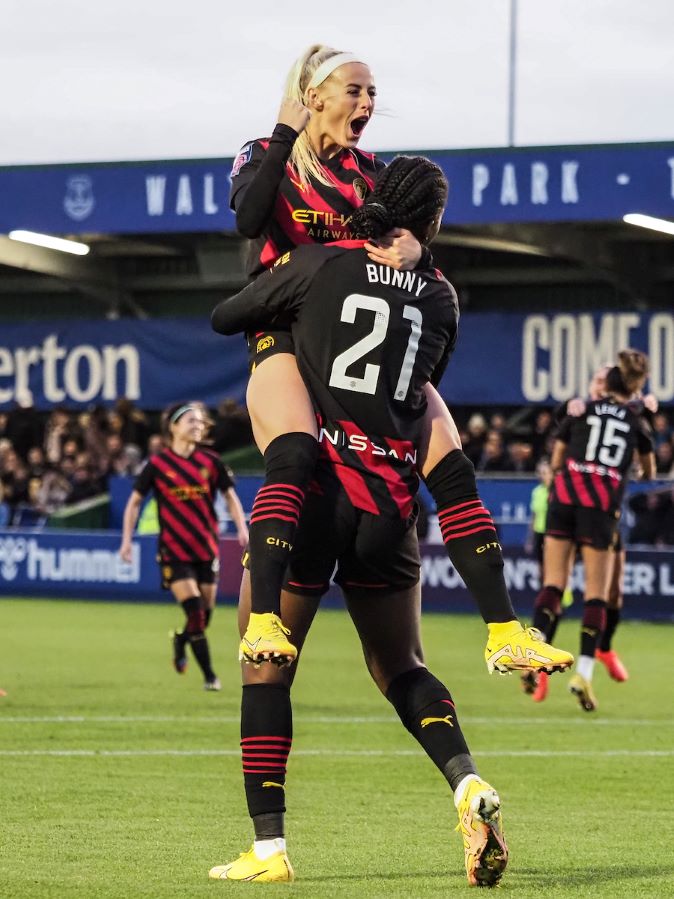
(367, 340)
(600, 450)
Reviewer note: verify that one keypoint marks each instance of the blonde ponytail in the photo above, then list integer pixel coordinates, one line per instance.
(303, 157)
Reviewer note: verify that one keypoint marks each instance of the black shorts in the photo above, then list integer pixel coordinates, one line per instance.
(371, 552)
(585, 527)
(539, 541)
(263, 344)
(177, 570)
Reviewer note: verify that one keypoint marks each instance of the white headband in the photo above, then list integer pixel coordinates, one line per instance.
(328, 67)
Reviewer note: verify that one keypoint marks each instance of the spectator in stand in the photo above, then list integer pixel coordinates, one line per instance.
(542, 432)
(134, 427)
(60, 428)
(4, 423)
(493, 456)
(24, 428)
(14, 478)
(662, 432)
(114, 448)
(497, 422)
(155, 444)
(232, 428)
(5, 511)
(55, 488)
(85, 485)
(36, 462)
(664, 459)
(520, 457)
(477, 435)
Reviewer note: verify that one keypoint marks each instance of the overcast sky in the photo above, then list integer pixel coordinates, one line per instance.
(154, 79)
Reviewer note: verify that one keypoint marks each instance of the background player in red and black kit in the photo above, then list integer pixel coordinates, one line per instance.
(368, 340)
(296, 188)
(591, 458)
(186, 479)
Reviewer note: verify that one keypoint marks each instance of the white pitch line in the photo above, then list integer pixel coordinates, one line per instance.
(532, 720)
(347, 753)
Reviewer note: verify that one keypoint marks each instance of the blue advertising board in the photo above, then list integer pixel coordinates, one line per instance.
(500, 359)
(73, 564)
(522, 184)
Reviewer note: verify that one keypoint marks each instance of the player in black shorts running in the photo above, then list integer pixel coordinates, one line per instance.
(185, 479)
(591, 458)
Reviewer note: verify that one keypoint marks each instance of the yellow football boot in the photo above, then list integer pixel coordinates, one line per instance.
(582, 690)
(249, 867)
(266, 640)
(510, 647)
(484, 846)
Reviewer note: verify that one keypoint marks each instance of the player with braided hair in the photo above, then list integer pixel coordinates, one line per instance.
(360, 512)
(301, 186)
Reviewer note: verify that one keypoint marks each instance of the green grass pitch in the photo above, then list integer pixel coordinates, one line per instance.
(122, 779)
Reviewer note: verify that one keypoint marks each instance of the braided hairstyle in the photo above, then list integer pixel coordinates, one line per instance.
(410, 193)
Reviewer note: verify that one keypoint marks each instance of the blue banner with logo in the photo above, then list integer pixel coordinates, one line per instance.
(154, 363)
(527, 184)
(501, 359)
(73, 564)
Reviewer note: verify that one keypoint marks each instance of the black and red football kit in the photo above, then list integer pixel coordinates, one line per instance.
(587, 491)
(368, 339)
(278, 213)
(185, 490)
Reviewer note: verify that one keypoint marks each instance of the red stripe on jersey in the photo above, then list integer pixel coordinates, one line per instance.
(351, 163)
(352, 481)
(199, 551)
(269, 253)
(395, 483)
(581, 490)
(561, 491)
(601, 491)
(204, 533)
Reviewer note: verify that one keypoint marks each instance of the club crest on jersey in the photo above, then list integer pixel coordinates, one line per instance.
(265, 343)
(204, 472)
(244, 156)
(360, 188)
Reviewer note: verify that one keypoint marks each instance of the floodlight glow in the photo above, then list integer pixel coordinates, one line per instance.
(648, 221)
(52, 243)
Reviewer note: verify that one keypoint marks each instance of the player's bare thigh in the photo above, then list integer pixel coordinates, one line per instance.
(597, 572)
(185, 589)
(278, 401)
(440, 434)
(208, 594)
(388, 625)
(559, 556)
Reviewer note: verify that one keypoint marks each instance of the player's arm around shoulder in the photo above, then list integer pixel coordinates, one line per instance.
(279, 291)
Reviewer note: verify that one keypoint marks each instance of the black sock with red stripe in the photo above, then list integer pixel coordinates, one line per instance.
(470, 536)
(425, 707)
(266, 740)
(592, 625)
(612, 622)
(548, 611)
(289, 462)
(195, 636)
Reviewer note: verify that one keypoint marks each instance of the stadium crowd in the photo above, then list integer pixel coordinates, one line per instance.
(50, 461)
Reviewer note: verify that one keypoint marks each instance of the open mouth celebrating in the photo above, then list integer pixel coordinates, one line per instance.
(357, 126)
